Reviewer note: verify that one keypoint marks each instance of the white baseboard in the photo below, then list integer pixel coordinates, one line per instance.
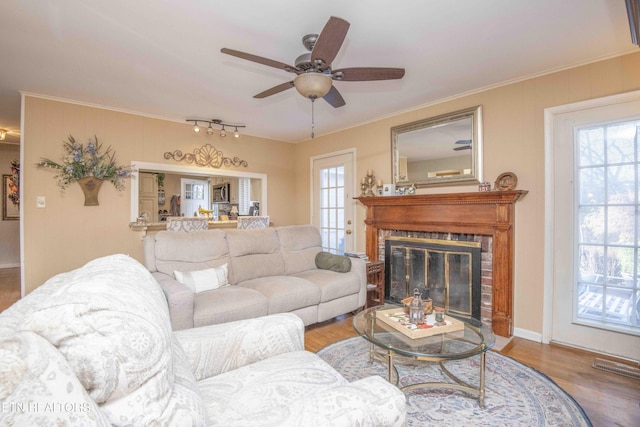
(527, 334)
(10, 265)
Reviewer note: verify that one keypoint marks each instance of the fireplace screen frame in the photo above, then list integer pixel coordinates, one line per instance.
(440, 297)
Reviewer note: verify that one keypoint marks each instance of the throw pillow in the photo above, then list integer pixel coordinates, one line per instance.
(333, 262)
(204, 280)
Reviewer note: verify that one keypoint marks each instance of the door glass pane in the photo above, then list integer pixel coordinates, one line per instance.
(332, 209)
(607, 238)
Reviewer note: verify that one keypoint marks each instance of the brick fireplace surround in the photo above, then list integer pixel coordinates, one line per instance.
(490, 213)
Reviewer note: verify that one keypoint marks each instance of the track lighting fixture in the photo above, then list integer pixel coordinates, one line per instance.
(214, 122)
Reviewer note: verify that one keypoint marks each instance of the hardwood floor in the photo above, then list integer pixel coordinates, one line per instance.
(608, 399)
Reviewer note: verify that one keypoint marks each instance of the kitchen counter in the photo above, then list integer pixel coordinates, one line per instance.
(159, 226)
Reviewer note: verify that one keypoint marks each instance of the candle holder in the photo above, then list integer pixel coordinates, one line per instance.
(367, 185)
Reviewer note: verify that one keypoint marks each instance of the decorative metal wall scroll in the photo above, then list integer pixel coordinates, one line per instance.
(206, 156)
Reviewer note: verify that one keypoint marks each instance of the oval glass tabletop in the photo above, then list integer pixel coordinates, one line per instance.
(466, 336)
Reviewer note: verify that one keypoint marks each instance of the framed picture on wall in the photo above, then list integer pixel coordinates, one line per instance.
(9, 209)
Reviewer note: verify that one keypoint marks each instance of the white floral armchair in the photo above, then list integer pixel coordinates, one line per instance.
(94, 346)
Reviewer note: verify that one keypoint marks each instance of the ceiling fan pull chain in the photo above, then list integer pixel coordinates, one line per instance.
(312, 118)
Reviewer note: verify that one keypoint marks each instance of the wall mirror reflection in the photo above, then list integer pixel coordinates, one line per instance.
(160, 190)
(442, 150)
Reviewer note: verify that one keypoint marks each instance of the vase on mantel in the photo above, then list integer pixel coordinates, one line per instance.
(90, 187)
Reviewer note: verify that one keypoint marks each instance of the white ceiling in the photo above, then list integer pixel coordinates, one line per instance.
(162, 58)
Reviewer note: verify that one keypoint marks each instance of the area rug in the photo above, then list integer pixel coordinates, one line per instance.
(515, 394)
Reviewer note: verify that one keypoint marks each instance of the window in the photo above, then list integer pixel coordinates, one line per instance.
(244, 185)
(608, 226)
(332, 209)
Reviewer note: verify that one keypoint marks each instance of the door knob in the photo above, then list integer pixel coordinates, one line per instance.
(348, 231)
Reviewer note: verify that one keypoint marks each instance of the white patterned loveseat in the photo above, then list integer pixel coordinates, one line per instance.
(94, 346)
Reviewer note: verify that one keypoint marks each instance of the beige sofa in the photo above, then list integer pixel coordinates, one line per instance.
(94, 347)
(270, 270)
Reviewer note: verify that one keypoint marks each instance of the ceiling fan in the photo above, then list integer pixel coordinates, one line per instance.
(314, 75)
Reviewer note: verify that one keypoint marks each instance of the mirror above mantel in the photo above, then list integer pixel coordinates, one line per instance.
(442, 150)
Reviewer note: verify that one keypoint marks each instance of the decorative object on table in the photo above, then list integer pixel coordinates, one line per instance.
(411, 190)
(233, 213)
(484, 186)
(416, 308)
(398, 319)
(88, 166)
(506, 181)
(367, 184)
(206, 156)
(389, 190)
(517, 396)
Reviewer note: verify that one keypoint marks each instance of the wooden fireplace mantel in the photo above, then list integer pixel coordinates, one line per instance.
(489, 213)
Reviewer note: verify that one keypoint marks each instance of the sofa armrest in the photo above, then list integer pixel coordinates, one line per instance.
(179, 300)
(369, 401)
(359, 266)
(215, 349)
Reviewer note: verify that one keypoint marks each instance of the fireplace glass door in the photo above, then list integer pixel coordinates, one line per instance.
(448, 272)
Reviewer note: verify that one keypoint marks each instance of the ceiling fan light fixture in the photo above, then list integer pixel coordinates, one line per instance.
(196, 128)
(312, 85)
(209, 130)
(236, 134)
(223, 133)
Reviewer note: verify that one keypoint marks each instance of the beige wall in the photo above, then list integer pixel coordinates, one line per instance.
(65, 234)
(9, 229)
(513, 119)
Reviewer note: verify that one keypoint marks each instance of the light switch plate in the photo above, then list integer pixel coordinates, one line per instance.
(41, 202)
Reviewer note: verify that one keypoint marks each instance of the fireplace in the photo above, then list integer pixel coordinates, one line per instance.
(447, 271)
(485, 215)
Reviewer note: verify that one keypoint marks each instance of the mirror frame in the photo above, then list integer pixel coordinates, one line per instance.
(476, 148)
(190, 170)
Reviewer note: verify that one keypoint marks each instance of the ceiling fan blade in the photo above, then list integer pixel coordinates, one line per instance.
(368, 73)
(276, 89)
(464, 147)
(329, 41)
(463, 141)
(334, 98)
(260, 60)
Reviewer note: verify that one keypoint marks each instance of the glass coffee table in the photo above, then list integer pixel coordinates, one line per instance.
(472, 339)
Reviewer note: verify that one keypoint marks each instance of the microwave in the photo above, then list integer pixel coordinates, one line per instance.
(221, 193)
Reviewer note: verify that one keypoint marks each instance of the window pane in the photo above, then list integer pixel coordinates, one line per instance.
(620, 225)
(621, 184)
(620, 143)
(340, 198)
(332, 198)
(591, 182)
(332, 177)
(341, 176)
(607, 289)
(591, 146)
(591, 224)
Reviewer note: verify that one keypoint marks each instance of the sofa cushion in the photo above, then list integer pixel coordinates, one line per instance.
(189, 251)
(228, 304)
(332, 285)
(299, 245)
(333, 262)
(260, 394)
(285, 293)
(109, 320)
(254, 253)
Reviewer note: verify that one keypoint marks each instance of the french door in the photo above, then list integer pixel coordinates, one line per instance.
(332, 201)
(194, 194)
(596, 228)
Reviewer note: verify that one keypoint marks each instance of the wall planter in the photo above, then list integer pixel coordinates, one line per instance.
(90, 187)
